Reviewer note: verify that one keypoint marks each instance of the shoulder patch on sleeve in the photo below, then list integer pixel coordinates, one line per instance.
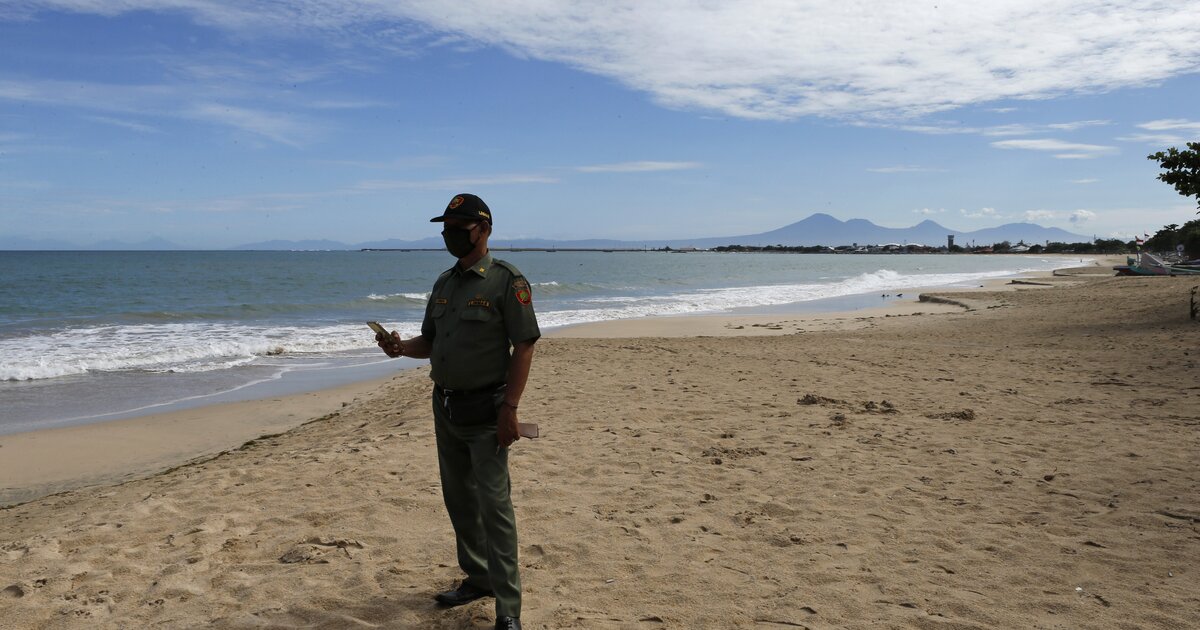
(521, 289)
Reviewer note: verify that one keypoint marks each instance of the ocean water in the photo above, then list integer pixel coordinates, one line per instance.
(88, 336)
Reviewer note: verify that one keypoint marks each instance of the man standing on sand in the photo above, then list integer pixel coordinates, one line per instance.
(477, 310)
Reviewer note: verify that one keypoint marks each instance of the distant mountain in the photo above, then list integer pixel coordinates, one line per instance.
(310, 245)
(1028, 232)
(822, 229)
(432, 242)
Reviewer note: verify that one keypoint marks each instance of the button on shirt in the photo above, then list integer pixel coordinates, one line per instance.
(473, 318)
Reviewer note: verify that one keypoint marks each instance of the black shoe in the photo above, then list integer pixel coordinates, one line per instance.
(508, 623)
(464, 594)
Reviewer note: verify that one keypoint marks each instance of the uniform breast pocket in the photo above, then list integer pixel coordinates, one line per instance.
(438, 310)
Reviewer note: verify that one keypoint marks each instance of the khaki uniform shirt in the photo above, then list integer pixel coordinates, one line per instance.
(472, 320)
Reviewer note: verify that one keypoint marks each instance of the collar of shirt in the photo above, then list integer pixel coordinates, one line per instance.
(480, 268)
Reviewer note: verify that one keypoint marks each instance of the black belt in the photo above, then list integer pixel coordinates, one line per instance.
(454, 393)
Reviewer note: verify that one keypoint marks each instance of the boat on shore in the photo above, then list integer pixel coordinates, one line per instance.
(1146, 264)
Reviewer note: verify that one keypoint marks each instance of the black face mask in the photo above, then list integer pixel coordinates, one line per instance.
(458, 241)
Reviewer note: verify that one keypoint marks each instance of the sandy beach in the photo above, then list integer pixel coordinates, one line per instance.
(1012, 457)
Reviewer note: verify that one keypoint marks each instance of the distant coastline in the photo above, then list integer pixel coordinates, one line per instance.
(816, 230)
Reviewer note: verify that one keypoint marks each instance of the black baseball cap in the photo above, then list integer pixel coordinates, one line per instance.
(465, 206)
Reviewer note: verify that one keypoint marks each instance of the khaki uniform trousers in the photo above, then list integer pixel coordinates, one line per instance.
(476, 489)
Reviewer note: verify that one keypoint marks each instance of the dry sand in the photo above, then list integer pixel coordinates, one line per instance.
(1029, 463)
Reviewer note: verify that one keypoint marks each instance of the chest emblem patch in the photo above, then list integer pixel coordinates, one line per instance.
(479, 302)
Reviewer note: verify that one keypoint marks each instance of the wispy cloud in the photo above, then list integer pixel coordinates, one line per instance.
(1039, 215)
(639, 167)
(289, 130)
(161, 101)
(772, 60)
(1079, 124)
(397, 164)
(1172, 124)
(127, 124)
(1085, 180)
(1061, 149)
(1012, 129)
(905, 168)
(346, 104)
(453, 183)
(1184, 131)
(929, 211)
(1154, 139)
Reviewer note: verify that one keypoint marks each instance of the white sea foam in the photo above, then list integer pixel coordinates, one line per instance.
(420, 297)
(191, 347)
(725, 299)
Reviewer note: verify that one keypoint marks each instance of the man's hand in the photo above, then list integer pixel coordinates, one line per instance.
(392, 346)
(506, 426)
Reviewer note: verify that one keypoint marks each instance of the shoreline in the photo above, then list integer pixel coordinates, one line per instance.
(119, 450)
(44, 462)
(105, 394)
(1026, 462)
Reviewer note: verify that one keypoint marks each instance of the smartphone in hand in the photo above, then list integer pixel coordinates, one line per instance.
(379, 330)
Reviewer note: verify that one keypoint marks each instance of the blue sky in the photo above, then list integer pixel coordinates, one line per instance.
(213, 123)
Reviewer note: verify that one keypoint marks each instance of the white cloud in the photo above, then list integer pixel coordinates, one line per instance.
(1155, 139)
(1085, 180)
(1079, 124)
(759, 59)
(1079, 217)
(982, 213)
(639, 167)
(1168, 124)
(1039, 215)
(1184, 131)
(1061, 149)
(929, 211)
(937, 128)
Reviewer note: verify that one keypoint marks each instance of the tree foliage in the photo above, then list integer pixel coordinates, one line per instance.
(1191, 244)
(1171, 235)
(1182, 169)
